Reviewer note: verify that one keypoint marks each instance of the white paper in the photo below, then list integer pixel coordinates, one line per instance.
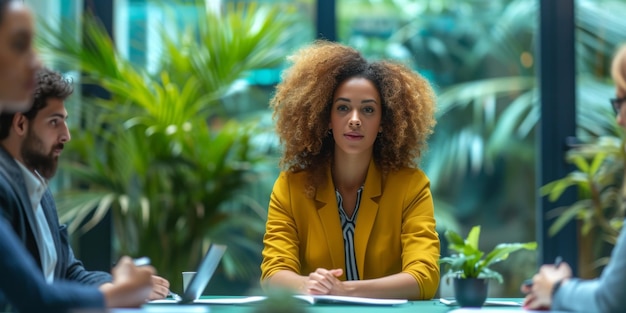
(452, 302)
(492, 310)
(231, 300)
(163, 301)
(311, 299)
(349, 300)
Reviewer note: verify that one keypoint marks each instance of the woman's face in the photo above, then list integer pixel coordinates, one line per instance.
(355, 116)
(18, 61)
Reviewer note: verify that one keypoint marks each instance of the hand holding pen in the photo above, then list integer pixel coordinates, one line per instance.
(131, 284)
(558, 261)
(529, 282)
(540, 291)
(160, 285)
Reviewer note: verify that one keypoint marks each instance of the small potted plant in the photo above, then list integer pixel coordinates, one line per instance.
(469, 266)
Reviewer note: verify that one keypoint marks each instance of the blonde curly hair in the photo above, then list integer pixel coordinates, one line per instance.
(618, 67)
(304, 97)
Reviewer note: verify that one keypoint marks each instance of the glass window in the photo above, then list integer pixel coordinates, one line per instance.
(479, 56)
(58, 14)
(599, 33)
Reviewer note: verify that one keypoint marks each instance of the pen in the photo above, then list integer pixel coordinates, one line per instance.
(174, 296)
(143, 261)
(557, 262)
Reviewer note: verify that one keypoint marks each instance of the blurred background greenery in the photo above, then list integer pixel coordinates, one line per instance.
(181, 148)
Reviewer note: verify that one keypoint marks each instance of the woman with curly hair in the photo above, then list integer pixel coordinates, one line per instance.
(351, 214)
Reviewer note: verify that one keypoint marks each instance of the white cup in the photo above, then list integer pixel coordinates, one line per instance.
(187, 276)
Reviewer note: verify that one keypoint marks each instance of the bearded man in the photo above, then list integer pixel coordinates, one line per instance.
(30, 145)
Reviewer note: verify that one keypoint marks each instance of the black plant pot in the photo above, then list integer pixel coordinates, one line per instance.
(470, 292)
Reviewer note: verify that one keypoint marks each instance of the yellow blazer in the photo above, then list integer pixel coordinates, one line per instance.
(394, 232)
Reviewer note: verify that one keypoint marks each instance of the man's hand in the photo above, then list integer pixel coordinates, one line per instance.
(131, 285)
(160, 288)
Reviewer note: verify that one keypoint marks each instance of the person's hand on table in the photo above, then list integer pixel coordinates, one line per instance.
(325, 282)
(539, 295)
(160, 288)
(131, 285)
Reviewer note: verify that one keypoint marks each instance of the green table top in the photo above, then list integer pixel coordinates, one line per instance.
(428, 306)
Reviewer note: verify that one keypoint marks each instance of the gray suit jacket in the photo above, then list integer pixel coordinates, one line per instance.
(15, 207)
(25, 287)
(606, 294)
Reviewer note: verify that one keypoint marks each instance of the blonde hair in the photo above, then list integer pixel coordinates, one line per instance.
(618, 68)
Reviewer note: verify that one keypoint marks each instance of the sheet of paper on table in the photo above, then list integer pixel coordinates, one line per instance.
(493, 310)
(452, 302)
(306, 298)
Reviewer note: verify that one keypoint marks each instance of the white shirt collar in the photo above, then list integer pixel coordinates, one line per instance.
(35, 185)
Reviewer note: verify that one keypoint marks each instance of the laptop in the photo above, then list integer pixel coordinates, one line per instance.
(204, 272)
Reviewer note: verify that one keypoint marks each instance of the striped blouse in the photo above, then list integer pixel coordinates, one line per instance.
(347, 226)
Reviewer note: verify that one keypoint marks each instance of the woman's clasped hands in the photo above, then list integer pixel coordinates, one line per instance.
(325, 282)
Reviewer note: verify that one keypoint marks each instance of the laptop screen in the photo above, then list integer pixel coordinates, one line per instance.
(204, 273)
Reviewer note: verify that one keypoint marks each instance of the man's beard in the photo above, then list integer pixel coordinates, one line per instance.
(44, 164)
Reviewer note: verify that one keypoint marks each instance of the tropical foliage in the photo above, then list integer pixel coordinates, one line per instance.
(159, 152)
(598, 179)
(481, 55)
(470, 262)
(494, 102)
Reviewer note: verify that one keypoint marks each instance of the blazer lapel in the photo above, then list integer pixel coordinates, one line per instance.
(328, 213)
(367, 214)
(16, 178)
(49, 210)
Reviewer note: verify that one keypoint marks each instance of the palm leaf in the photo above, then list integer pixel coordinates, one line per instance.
(159, 154)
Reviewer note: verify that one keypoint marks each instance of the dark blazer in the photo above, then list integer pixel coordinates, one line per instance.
(26, 289)
(15, 207)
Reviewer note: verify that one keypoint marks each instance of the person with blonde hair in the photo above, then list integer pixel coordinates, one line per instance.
(351, 214)
(618, 72)
(553, 286)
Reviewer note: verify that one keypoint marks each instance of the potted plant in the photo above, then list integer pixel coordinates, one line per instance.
(470, 267)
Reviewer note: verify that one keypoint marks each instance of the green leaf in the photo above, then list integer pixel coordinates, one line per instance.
(597, 161)
(501, 252)
(491, 274)
(581, 163)
(567, 215)
(556, 188)
(454, 238)
(472, 237)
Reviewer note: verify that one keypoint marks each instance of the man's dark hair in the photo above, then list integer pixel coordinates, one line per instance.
(50, 85)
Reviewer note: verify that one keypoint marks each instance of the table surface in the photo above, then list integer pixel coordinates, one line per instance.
(428, 306)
